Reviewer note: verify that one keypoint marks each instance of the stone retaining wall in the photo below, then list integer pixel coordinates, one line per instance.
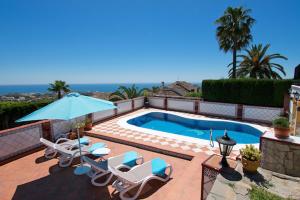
(282, 156)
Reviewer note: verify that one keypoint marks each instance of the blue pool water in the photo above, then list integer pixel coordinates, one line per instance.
(241, 133)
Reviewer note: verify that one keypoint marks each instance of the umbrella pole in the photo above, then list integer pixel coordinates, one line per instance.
(79, 145)
(80, 170)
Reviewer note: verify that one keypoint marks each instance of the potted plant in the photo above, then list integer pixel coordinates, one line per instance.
(281, 127)
(80, 126)
(250, 158)
(88, 124)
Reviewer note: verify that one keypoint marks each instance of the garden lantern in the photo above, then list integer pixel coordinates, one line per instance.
(225, 144)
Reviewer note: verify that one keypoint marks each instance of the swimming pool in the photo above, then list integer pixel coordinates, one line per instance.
(160, 122)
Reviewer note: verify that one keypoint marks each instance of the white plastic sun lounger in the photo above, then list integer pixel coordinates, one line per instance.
(67, 155)
(51, 152)
(100, 169)
(139, 175)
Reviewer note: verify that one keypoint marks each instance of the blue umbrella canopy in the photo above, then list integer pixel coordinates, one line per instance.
(71, 106)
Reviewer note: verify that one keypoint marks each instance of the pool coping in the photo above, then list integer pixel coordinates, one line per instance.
(123, 123)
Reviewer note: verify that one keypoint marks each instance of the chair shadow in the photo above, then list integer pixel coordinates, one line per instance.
(62, 184)
(150, 188)
(41, 159)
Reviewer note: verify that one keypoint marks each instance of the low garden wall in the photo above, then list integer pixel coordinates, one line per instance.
(281, 155)
(18, 140)
(227, 110)
(124, 106)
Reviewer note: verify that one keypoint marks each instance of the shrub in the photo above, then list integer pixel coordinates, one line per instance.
(11, 111)
(281, 122)
(194, 94)
(246, 91)
(259, 193)
(250, 153)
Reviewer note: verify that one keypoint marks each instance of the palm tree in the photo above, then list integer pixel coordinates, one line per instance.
(257, 64)
(59, 87)
(233, 32)
(126, 93)
(154, 89)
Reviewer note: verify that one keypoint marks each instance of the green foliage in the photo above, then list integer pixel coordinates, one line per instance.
(258, 92)
(281, 122)
(259, 193)
(194, 94)
(250, 153)
(234, 31)
(88, 121)
(59, 87)
(154, 89)
(78, 124)
(126, 93)
(256, 63)
(11, 111)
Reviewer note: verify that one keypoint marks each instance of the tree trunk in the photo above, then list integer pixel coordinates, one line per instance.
(59, 94)
(234, 63)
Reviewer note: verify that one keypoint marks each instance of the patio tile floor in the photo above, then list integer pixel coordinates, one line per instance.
(34, 177)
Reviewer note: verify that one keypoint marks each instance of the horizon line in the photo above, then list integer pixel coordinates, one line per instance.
(97, 83)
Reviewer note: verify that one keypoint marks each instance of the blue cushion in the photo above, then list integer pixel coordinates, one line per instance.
(84, 140)
(96, 146)
(158, 166)
(130, 158)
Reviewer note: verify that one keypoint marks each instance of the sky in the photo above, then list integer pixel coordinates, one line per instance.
(132, 41)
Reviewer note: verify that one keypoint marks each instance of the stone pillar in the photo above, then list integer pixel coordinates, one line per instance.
(166, 103)
(239, 113)
(116, 109)
(132, 104)
(196, 106)
(47, 131)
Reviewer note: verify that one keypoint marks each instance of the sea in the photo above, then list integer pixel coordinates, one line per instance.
(42, 88)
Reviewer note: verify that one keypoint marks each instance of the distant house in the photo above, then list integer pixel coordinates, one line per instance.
(178, 88)
(7, 98)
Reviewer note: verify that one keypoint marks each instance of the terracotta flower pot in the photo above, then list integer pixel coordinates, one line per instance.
(282, 132)
(81, 132)
(88, 127)
(250, 166)
(72, 136)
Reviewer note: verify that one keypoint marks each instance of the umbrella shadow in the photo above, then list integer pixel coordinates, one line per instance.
(61, 183)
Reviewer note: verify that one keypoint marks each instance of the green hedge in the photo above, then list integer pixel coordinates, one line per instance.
(246, 91)
(11, 111)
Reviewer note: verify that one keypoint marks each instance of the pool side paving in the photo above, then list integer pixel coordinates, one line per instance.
(111, 130)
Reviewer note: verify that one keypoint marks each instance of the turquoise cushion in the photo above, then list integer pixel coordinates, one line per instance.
(158, 166)
(130, 158)
(96, 146)
(84, 140)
